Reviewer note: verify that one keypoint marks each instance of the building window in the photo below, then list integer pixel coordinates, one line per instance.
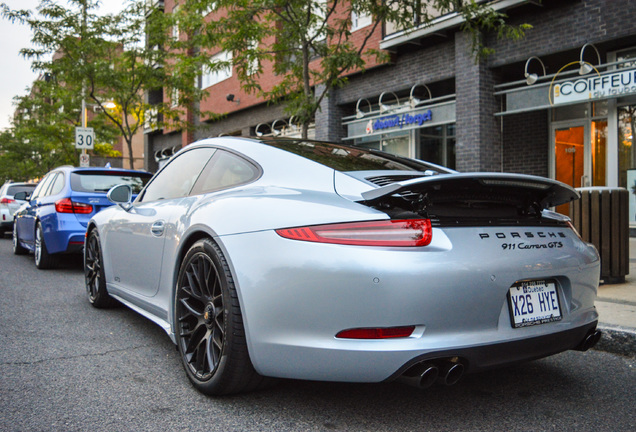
(174, 98)
(175, 27)
(359, 20)
(211, 77)
(437, 145)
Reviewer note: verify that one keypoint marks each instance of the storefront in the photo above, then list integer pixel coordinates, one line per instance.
(419, 129)
(592, 119)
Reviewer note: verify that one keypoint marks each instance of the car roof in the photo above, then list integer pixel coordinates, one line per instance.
(71, 168)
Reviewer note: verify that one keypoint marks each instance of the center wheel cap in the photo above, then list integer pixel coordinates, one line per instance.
(208, 315)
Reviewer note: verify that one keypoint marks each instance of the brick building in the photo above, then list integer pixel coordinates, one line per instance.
(525, 109)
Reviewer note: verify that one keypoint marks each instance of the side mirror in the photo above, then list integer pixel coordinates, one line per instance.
(121, 195)
(22, 196)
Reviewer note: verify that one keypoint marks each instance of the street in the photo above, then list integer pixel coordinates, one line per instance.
(65, 366)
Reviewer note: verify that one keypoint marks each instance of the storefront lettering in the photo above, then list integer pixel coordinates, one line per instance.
(596, 87)
(401, 120)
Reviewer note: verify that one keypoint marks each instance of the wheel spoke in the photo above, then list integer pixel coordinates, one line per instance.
(193, 284)
(190, 310)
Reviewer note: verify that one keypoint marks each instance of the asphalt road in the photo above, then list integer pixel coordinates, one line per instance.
(65, 366)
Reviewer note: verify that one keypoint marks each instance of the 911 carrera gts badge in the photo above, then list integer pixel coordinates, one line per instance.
(527, 235)
(522, 245)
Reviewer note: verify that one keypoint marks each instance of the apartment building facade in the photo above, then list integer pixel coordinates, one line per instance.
(559, 103)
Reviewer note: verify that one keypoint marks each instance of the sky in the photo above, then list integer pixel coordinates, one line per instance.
(16, 75)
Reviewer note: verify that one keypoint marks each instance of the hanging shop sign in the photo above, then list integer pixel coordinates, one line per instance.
(431, 115)
(398, 121)
(612, 85)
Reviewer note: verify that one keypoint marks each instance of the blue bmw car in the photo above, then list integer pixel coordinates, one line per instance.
(53, 221)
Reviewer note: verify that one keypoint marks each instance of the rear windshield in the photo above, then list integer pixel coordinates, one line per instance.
(349, 158)
(14, 189)
(103, 181)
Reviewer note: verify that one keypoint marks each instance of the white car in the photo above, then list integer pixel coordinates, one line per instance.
(311, 260)
(9, 205)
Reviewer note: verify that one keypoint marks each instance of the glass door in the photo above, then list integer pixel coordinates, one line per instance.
(569, 166)
(580, 155)
(569, 159)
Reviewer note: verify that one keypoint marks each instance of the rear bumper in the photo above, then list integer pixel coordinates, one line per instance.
(480, 358)
(296, 298)
(6, 220)
(63, 234)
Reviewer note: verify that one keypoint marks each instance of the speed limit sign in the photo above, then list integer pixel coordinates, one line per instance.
(84, 138)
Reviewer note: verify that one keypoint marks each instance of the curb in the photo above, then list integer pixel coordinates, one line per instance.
(617, 340)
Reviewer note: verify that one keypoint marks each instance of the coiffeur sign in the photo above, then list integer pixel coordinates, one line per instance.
(606, 86)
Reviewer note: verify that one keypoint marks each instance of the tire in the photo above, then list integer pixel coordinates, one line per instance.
(209, 327)
(17, 248)
(43, 259)
(94, 276)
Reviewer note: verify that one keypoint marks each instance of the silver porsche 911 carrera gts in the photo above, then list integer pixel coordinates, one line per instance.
(318, 261)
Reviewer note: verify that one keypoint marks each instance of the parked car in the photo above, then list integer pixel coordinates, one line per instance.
(318, 261)
(8, 203)
(54, 220)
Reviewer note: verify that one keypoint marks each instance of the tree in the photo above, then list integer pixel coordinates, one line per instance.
(112, 60)
(42, 133)
(307, 42)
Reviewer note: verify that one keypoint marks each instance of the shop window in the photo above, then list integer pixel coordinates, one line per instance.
(627, 154)
(437, 145)
(394, 143)
(599, 152)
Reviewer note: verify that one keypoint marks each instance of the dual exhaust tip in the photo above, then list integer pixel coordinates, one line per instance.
(425, 374)
(590, 340)
(449, 371)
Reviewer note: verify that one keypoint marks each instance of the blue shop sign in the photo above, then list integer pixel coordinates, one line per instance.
(400, 121)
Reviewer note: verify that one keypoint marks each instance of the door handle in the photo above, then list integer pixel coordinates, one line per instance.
(157, 228)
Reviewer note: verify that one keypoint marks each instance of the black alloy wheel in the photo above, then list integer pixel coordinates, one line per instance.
(94, 273)
(208, 324)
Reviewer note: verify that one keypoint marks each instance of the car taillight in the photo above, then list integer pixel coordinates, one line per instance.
(6, 201)
(65, 205)
(409, 232)
(376, 333)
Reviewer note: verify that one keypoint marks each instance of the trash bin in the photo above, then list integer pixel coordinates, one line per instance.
(601, 218)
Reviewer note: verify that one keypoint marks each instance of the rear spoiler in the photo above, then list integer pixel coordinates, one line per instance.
(543, 191)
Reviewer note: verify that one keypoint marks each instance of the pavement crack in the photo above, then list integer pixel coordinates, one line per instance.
(71, 357)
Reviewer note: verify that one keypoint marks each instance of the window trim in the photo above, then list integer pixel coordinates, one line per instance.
(197, 188)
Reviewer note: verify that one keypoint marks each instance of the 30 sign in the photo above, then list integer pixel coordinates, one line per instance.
(84, 138)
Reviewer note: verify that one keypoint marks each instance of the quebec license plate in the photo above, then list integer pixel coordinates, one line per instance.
(534, 302)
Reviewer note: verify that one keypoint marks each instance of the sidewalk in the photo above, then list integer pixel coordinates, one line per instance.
(616, 305)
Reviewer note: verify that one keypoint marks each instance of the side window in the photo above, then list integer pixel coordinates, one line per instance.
(178, 177)
(58, 185)
(43, 186)
(223, 171)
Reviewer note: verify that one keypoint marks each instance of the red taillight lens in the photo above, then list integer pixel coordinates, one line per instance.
(6, 201)
(377, 333)
(411, 232)
(65, 205)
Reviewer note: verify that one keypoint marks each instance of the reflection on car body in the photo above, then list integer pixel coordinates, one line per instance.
(319, 261)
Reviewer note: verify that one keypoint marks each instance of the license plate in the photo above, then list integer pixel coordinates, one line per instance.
(534, 302)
